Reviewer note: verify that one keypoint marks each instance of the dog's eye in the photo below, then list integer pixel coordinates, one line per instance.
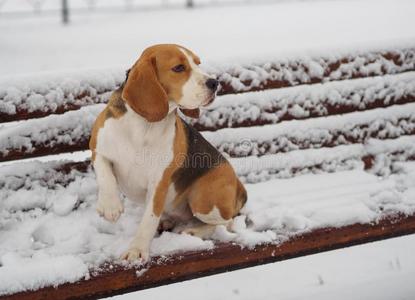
(179, 68)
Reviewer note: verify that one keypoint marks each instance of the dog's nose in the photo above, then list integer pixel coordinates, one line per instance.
(212, 84)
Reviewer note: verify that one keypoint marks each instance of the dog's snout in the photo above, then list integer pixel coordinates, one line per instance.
(212, 84)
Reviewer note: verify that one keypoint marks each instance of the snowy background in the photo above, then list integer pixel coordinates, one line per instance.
(109, 37)
(229, 33)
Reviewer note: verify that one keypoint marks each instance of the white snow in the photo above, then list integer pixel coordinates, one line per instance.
(306, 100)
(18, 273)
(254, 169)
(51, 5)
(269, 30)
(49, 91)
(390, 122)
(386, 154)
(169, 243)
(41, 227)
(52, 90)
(375, 271)
(296, 70)
(69, 128)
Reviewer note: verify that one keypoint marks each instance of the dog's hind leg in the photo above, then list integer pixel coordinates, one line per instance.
(212, 200)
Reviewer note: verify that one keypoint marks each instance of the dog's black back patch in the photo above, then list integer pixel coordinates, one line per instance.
(201, 157)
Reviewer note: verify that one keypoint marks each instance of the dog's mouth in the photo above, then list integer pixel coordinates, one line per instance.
(209, 100)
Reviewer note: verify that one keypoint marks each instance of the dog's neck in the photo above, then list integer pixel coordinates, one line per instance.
(168, 120)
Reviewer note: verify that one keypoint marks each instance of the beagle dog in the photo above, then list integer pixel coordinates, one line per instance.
(142, 148)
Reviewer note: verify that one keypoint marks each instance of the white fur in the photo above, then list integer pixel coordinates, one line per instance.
(109, 204)
(195, 92)
(213, 217)
(133, 154)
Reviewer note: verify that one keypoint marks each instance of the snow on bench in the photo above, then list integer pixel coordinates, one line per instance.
(37, 96)
(48, 217)
(307, 101)
(327, 164)
(71, 131)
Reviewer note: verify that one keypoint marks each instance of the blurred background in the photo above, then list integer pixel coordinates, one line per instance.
(112, 33)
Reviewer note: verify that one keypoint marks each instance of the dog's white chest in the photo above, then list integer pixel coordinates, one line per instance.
(139, 151)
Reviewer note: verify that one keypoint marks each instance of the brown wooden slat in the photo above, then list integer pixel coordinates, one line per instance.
(223, 258)
(403, 60)
(24, 114)
(44, 150)
(338, 137)
(313, 112)
(393, 57)
(84, 167)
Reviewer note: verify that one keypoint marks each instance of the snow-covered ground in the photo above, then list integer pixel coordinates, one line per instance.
(376, 271)
(43, 6)
(226, 33)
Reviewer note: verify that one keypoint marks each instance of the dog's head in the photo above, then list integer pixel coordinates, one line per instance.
(166, 73)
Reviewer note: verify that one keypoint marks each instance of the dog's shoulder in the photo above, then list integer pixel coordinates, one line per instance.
(115, 109)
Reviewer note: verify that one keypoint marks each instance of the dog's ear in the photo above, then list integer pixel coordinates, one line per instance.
(143, 91)
(192, 113)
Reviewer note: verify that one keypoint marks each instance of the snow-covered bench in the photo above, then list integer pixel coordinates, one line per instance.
(324, 145)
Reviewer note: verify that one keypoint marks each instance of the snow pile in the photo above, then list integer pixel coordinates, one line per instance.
(23, 273)
(272, 106)
(244, 77)
(337, 199)
(255, 169)
(50, 91)
(70, 128)
(75, 126)
(57, 224)
(355, 127)
(399, 145)
(47, 216)
(386, 153)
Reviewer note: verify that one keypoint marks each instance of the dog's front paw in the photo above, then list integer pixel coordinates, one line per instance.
(110, 209)
(136, 253)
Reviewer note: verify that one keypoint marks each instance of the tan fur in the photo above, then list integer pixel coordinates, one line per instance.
(195, 58)
(115, 109)
(179, 151)
(218, 188)
(151, 83)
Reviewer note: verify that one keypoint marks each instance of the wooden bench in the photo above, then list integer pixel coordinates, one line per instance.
(279, 112)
